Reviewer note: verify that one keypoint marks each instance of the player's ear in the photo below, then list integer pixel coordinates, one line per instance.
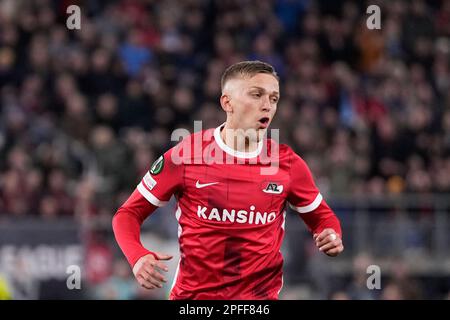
(225, 103)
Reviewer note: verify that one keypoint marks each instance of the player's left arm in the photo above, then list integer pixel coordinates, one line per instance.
(305, 198)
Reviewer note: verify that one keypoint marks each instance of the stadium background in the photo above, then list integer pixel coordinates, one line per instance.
(84, 113)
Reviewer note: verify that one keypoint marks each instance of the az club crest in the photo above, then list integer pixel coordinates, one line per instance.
(273, 188)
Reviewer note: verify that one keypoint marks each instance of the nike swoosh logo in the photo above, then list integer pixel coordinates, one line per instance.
(199, 185)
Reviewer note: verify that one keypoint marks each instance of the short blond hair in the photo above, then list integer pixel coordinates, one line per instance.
(247, 69)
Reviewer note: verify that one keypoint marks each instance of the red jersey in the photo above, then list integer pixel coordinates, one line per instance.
(231, 209)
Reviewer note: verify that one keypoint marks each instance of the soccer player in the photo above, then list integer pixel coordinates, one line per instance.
(232, 185)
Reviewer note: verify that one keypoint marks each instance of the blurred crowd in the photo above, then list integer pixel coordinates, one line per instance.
(84, 113)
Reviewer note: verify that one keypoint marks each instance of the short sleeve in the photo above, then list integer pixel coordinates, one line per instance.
(304, 196)
(163, 179)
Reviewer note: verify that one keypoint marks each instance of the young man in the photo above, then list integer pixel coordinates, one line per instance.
(232, 186)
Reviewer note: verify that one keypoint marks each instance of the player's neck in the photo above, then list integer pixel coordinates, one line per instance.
(236, 140)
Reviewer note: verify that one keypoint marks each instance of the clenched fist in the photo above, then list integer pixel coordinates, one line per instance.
(329, 242)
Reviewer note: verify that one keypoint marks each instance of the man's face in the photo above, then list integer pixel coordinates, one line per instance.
(251, 103)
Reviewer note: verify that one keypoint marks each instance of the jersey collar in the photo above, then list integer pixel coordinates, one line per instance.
(235, 153)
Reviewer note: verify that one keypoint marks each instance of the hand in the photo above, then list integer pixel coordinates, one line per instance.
(147, 270)
(329, 242)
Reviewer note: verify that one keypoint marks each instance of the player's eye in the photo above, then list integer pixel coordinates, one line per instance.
(274, 99)
(256, 95)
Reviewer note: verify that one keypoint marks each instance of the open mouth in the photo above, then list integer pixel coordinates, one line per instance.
(264, 121)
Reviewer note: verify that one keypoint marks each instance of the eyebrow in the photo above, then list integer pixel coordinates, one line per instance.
(261, 88)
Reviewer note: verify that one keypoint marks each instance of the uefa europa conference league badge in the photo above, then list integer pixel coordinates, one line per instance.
(157, 166)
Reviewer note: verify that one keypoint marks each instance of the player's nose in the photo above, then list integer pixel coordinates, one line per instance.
(266, 105)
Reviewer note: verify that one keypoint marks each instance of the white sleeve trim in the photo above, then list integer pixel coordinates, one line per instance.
(150, 197)
(311, 207)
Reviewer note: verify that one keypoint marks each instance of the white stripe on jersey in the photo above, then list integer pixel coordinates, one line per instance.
(150, 197)
(176, 275)
(284, 220)
(177, 215)
(311, 207)
(282, 283)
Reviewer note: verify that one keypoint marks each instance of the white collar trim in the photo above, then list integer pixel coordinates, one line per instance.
(231, 151)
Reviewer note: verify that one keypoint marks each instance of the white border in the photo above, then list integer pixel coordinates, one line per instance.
(235, 153)
(150, 197)
(311, 207)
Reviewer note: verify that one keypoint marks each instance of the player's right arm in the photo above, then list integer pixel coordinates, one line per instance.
(155, 189)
